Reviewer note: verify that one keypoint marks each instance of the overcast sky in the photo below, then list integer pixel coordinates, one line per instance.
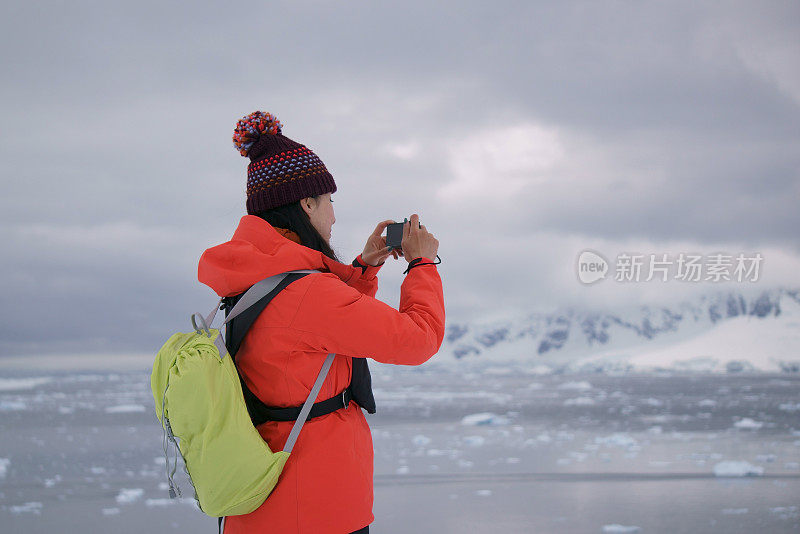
(522, 133)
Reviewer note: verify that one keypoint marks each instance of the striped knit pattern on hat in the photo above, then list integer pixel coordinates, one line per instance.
(281, 171)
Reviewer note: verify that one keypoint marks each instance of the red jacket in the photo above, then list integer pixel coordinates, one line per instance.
(326, 485)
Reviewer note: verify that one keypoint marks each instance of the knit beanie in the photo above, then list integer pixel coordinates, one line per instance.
(281, 171)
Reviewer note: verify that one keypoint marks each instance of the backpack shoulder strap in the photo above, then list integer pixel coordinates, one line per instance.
(235, 333)
(246, 308)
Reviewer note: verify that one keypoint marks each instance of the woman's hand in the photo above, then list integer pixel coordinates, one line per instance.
(375, 252)
(417, 241)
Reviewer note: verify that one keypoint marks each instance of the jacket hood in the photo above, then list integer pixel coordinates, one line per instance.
(258, 250)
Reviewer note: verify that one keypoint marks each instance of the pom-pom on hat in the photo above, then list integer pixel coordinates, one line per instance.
(281, 171)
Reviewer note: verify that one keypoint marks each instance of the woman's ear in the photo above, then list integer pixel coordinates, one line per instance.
(308, 204)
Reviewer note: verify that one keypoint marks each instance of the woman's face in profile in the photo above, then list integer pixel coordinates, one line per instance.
(321, 214)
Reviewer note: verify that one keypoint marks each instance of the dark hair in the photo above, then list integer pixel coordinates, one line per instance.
(293, 217)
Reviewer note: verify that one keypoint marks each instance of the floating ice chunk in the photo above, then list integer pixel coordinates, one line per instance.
(616, 529)
(168, 502)
(580, 401)
(707, 403)
(110, 511)
(128, 496)
(483, 493)
(4, 463)
(50, 482)
(27, 508)
(402, 470)
(12, 406)
(789, 407)
(65, 410)
(16, 384)
(737, 469)
(377, 433)
(783, 509)
(535, 385)
(582, 385)
(465, 463)
(420, 441)
(734, 511)
(126, 408)
(785, 512)
(474, 441)
(653, 402)
(159, 502)
(484, 418)
(766, 458)
(95, 470)
(498, 371)
(748, 423)
(618, 439)
(544, 438)
(655, 429)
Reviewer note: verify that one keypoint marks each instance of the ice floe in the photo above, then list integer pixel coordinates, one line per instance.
(16, 384)
(168, 502)
(737, 469)
(420, 441)
(618, 439)
(12, 406)
(473, 441)
(128, 496)
(126, 408)
(580, 401)
(484, 418)
(581, 386)
(748, 423)
(498, 371)
(735, 511)
(27, 508)
(4, 463)
(785, 512)
(619, 529)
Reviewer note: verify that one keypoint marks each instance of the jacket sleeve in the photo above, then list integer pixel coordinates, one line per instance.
(367, 283)
(334, 317)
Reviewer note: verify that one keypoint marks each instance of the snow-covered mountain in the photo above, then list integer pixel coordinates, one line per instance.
(725, 331)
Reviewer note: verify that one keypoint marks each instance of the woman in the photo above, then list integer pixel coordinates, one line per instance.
(326, 485)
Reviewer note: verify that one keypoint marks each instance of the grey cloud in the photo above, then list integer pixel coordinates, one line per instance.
(122, 115)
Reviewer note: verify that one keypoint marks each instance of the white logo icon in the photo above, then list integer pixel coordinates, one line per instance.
(591, 267)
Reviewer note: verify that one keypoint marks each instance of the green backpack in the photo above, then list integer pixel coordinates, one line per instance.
(199, 401)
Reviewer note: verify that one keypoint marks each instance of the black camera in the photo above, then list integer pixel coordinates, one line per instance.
(394, 236)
